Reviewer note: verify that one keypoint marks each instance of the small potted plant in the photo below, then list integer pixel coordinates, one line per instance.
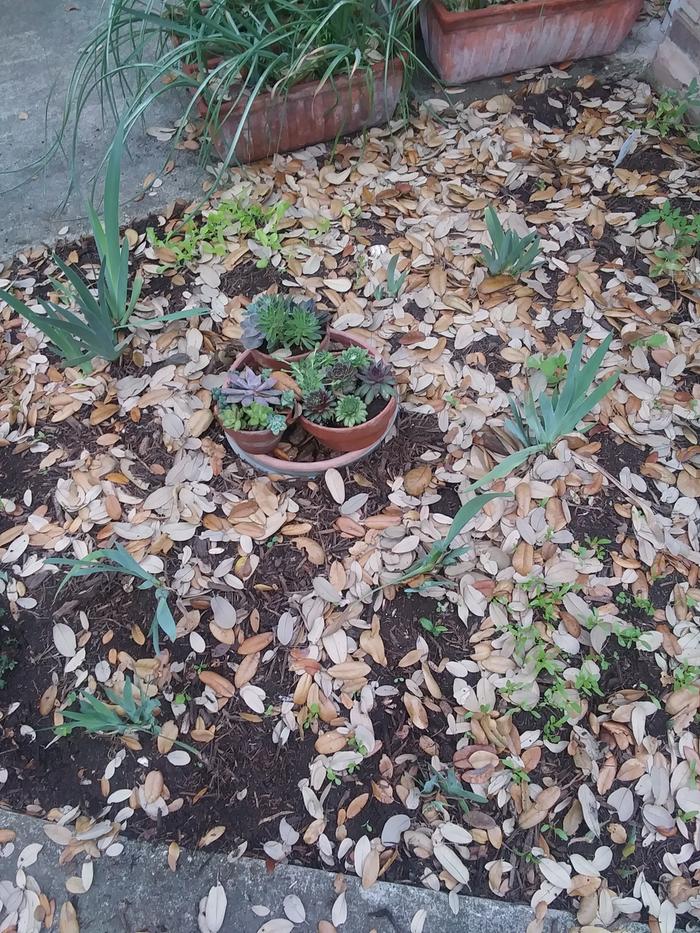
(253, 410)
(348, 399)
(280, 331)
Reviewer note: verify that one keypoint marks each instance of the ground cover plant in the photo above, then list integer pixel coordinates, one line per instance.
(469, 661)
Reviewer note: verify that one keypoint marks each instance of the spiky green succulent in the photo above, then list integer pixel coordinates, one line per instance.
(309, 373)
(341, 378)
(355, 356)
(376, 381)
(319, 406)
(350, 411)
(282, 324)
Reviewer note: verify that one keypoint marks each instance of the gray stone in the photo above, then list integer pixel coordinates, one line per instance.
(136, 891)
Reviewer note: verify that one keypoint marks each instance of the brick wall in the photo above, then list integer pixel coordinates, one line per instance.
(677, 59)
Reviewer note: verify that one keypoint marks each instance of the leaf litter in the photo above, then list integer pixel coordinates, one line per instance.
(524, 726)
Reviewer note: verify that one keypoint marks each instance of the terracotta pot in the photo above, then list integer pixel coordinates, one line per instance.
(304, 115)
(254, 442)
(257, 442)
(264, 361)
(278, 467)
(347, 439)
(510, 37)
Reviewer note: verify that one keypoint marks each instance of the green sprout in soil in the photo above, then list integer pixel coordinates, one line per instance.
(188, 241)
(432, 628)
(448, 784)
(635, 601)
(595, 545)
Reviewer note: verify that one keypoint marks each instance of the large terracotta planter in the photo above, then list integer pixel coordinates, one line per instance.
(347, 439)
(510, 37)
(304, 115)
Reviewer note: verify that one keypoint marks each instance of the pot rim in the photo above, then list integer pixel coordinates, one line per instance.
(451, 20)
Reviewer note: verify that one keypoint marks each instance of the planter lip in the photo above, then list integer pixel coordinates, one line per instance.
(306, 89)
(451, 20)
(304, 422)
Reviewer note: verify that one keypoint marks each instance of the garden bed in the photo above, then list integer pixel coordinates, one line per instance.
(132, 455)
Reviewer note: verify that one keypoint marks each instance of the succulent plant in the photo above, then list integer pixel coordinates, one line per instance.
(247, 387)
(310, 372)
(276, 423)
(256, 417)
(355, 356)
(282, 323)
(319, 406)
(231, 418)
(350, 411)
(341, 377)
(376, 381)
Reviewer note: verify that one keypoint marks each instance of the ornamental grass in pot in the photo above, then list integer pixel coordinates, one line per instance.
(280, 331)
(348, 399)
(265, 75)
(254, 410)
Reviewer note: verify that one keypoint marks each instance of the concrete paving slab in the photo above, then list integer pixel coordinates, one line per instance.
(137, 892)
(39, 42)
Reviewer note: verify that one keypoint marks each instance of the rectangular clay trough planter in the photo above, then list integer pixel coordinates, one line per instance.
(511, 37)
(304, 115)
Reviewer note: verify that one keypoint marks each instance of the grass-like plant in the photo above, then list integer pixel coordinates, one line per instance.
(92, 331)
(394, 282)
(510, 254)
(228, 52)
(442, 554)
(540, 420)
(95, 716)
(127, 715)
(118, 560)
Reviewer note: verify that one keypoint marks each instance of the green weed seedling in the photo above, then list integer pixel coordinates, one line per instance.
(672, 110)
(118, 560)
(449, 785)
(432, 628)
(188, 241)
(686, 236)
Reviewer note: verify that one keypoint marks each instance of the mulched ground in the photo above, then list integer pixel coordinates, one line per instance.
(372, 690)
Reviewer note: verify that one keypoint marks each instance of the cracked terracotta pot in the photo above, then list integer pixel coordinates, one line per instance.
(510, 37)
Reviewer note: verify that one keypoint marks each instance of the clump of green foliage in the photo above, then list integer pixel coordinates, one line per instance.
(250, 401)
(282, 326)
(127, 716)
(686, 236)
(510, 254)
(102, 311)
(672, 112)
(118, 560)
(336, 389)
(190, 240)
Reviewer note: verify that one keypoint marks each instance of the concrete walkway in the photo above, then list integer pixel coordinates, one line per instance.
(38, 48)
(136, 891)
(39, 42)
